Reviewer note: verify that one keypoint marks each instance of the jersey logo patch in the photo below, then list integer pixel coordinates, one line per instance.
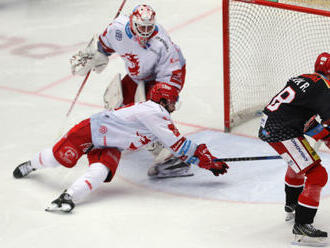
(134, 67)
(119, 35)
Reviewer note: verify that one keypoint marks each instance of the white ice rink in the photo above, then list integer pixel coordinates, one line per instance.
(243, 209)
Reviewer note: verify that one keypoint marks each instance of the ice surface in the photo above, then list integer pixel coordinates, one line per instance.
(244, 208)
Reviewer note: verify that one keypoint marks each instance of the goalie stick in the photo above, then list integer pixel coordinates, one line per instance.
(86, 77)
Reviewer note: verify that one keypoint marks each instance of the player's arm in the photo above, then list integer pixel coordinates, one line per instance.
(318, 131)
(89, 58)
(180, 146)
(95, 55)
(169, 67)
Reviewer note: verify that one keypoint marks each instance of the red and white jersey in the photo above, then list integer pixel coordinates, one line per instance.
(161, 60)
(132, 127)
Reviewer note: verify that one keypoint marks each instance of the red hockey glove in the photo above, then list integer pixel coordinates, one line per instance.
(206, 161)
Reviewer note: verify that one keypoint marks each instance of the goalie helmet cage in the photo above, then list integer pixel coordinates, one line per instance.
(264, 44)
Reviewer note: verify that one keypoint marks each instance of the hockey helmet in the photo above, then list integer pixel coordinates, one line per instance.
(322, 64)
(164, 91)
(142, 22)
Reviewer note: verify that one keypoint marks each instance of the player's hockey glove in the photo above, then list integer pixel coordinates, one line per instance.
(206, 161)
(89, 59)
(318, 131)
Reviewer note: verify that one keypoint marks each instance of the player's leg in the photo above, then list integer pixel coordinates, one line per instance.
(294, 184)
(303, 160)
(308, 202)
(103, 164)
(65, 152)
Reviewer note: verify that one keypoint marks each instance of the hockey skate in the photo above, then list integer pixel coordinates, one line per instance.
(290, 212)
(63, 203)
(174, 167)
(308, 235)
(23, 170)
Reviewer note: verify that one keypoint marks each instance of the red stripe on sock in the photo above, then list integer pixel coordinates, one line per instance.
(89, 184)
(40, 160)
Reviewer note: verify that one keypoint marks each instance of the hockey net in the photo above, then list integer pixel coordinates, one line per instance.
(265, 43)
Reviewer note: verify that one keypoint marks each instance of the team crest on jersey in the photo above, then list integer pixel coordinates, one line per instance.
(103, 129)
(134, 67)
(119, 35)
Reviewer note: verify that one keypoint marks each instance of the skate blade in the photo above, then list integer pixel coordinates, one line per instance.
(65, 208)
(301, 240)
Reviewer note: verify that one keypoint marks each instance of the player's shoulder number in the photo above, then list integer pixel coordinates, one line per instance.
(287, 95)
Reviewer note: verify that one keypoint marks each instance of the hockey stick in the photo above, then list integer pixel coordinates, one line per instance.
(246, 158)
(86, 77)
(77, 95)
(316, 148)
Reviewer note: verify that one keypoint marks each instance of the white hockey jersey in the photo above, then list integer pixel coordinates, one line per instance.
(161, 60)
(132, 127)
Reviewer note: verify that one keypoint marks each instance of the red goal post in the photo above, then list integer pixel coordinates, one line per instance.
(264, 44)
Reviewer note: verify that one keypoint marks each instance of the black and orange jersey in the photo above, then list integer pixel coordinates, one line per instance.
(302, 97)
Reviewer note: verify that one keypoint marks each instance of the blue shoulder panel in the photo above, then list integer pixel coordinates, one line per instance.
(128, 31)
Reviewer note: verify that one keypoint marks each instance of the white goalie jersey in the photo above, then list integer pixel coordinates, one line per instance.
(132, 127)
(161, 60)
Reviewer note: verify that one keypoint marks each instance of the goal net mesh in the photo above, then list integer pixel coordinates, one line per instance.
(267, 46)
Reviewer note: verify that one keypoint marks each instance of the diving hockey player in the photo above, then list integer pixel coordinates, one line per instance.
(104, 136)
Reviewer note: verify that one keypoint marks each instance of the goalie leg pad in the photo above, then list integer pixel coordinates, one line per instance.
(113, 95)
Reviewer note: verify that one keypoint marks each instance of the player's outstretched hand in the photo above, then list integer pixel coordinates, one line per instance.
(219, 168)
(206, 161)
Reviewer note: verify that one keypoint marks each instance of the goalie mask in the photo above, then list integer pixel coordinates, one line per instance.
(142, 23)
(165, 93)
(322, 64)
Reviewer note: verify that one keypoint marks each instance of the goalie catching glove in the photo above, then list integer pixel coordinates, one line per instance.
(89, 59)
(206, 161)
(318, 131)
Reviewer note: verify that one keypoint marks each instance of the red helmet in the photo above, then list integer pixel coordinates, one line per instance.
(322, 64)
(142, 22)
(164, 91)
